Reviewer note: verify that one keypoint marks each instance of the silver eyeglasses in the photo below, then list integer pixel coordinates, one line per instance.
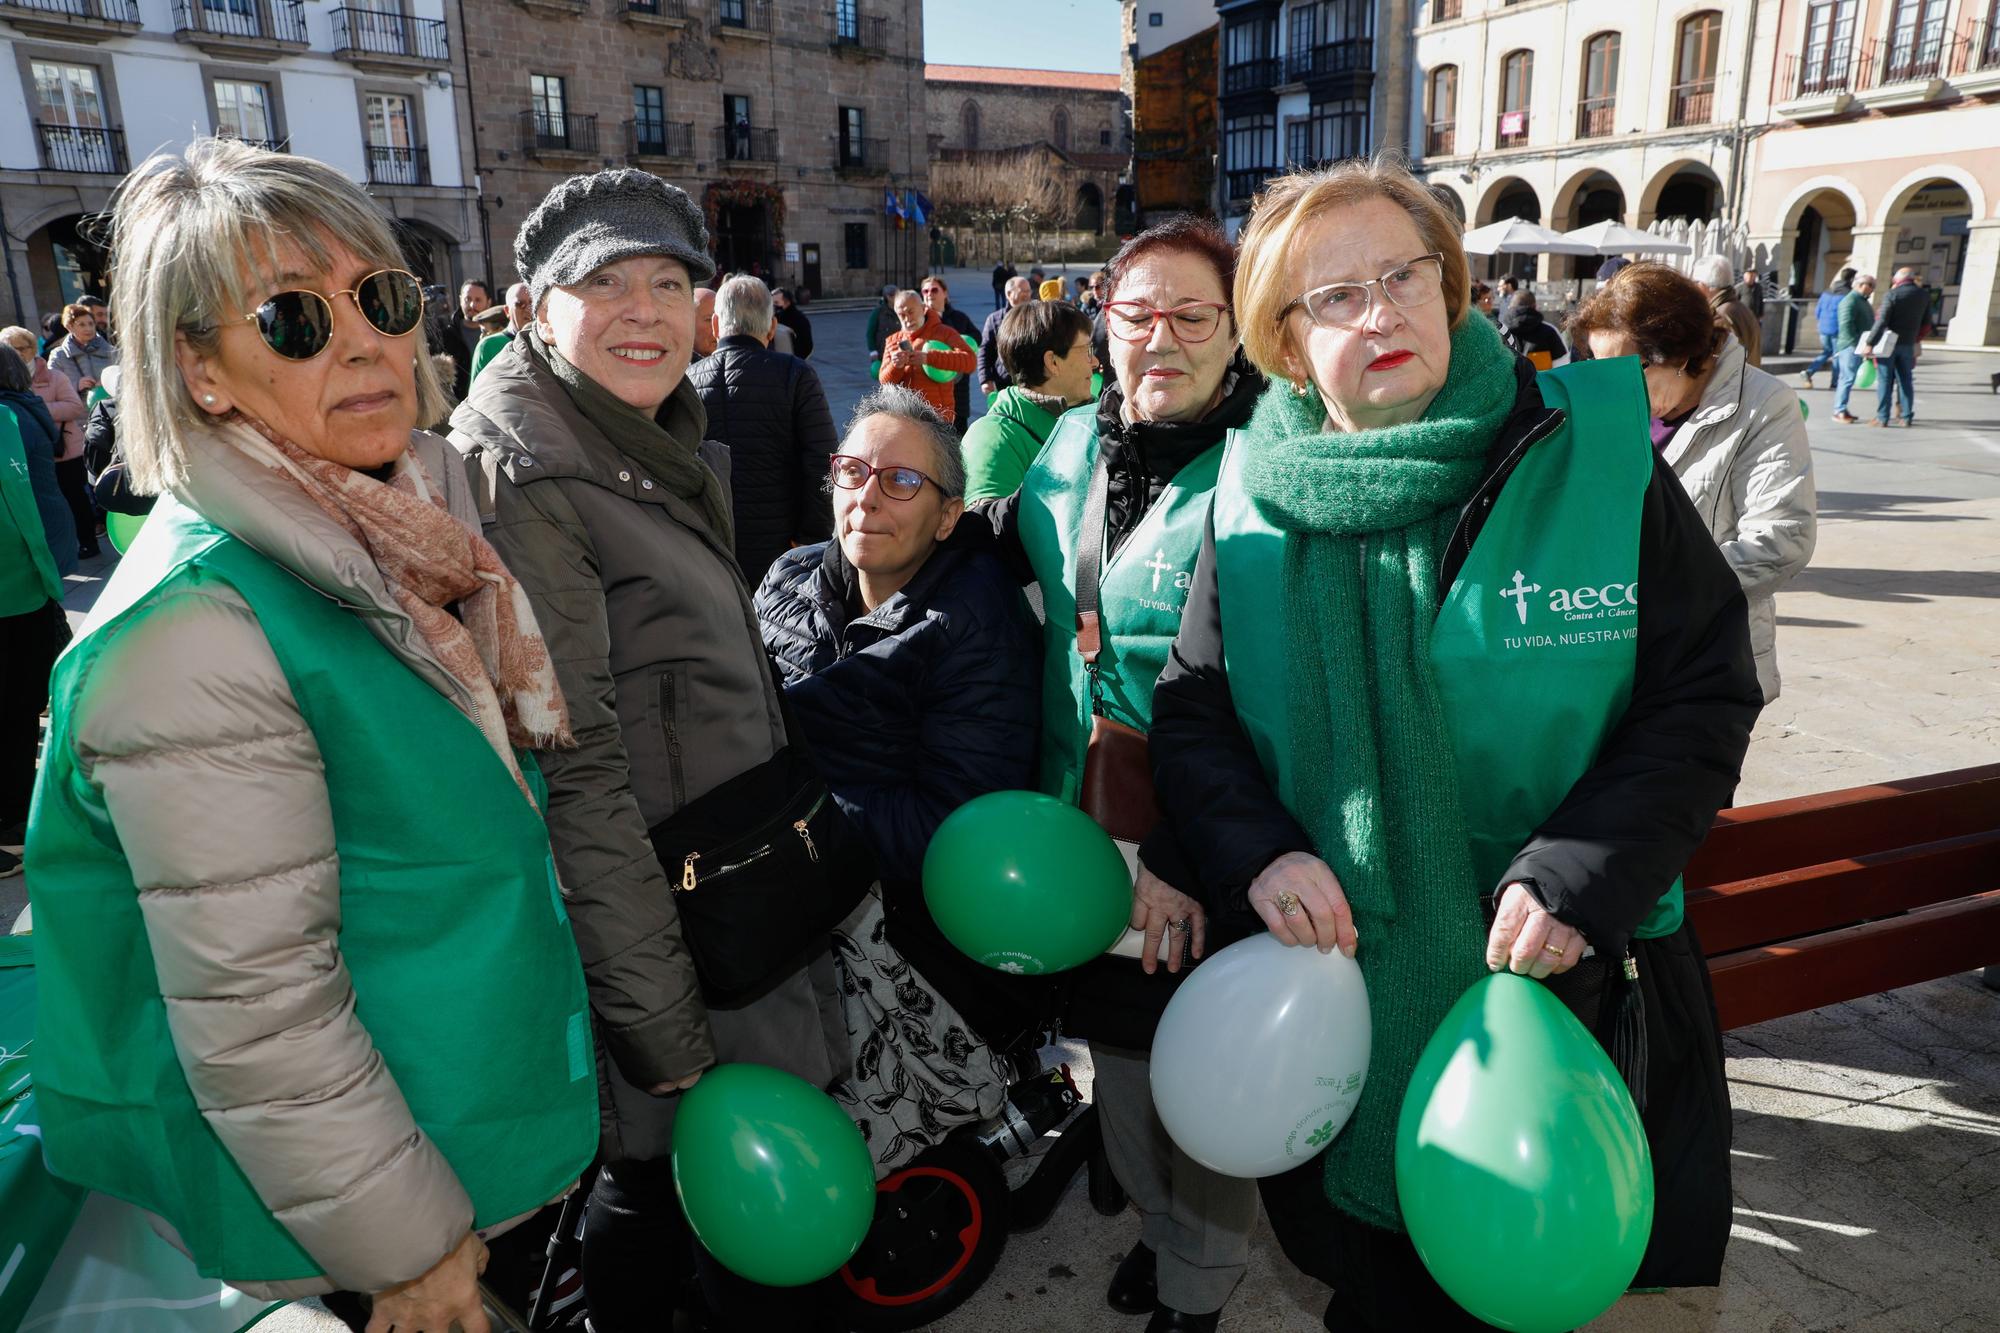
(1346, 305)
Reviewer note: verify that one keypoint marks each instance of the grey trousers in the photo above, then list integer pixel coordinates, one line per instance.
(1196, 1221)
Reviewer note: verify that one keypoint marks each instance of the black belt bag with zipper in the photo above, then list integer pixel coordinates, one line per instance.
(762, 867)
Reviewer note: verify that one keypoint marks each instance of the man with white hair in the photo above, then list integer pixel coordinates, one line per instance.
(993, 376)
(1717, 278)
(771, 411)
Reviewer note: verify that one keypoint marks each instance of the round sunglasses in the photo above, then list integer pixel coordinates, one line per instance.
(298, 325)
(851, 474)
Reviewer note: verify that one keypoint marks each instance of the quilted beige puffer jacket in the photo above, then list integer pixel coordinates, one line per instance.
(264, 1020)
(1744, 459)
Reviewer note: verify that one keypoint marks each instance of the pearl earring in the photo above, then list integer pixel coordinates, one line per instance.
(1302, 389)
(208, 398)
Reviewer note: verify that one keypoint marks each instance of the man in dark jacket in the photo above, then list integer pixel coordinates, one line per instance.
(770, 410)
(1905, 313)
(937, 299)
(794, 319)
(992, 372)
(462, 334)
(1524, 330)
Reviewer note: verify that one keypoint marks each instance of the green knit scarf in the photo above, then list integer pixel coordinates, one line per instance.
(1366, 516)
(666, 444)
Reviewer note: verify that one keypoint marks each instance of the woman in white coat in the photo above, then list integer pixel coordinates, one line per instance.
(1733, 434)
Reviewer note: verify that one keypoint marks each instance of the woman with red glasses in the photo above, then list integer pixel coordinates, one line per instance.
(307, 993)
(910, 669)
(1108, 522)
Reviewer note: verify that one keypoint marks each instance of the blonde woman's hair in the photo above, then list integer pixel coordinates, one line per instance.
(14, 335)
(1289, 202)
(190, 233)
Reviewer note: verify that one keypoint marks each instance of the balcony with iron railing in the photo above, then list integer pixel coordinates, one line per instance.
(372, 39)
(1244, 184)
(243, 29)
(390, 165)
(72, 20)
(1251, 76)
(1691, 103)
(1440, 139)
(1596, 117)
(656, 13)
(1821, 83)
(98, 151)
(1510, 129)
(1355, 55)
(547, 134)
(1976, 67)
(659, 138)
(268, 145)
(862, 157)
(751, 18)
(746, 143)
(860, 32)
(1916, 60)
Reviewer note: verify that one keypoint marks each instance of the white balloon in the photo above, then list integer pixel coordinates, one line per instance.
(1261, 1056)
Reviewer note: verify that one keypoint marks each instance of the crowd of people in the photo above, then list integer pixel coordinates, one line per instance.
(427, 810)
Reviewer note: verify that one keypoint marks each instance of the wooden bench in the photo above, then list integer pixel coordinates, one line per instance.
(1825, 898)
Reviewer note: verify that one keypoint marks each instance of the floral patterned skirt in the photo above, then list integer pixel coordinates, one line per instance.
(914, 1070)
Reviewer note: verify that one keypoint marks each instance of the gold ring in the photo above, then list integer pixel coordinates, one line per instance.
(1288, 904)
(1553, 951)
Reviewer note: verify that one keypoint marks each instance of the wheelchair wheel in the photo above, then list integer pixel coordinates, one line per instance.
(940, 1224)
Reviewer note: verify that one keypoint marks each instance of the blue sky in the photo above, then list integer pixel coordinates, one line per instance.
(1023, 34)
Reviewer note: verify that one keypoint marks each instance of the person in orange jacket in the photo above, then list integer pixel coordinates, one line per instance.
(905, 355)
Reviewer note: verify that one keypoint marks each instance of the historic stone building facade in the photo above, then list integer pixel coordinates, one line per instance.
(1084, 118)
(791, 123)
(96, 86)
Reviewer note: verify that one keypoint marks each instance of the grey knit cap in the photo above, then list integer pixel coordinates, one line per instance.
(590, 221)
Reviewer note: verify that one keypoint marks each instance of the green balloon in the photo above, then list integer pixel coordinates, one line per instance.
(1521, 1164)
(123, 529)
(875, 368)
(774, 1178)
(1025, 883)
(940, 375)
(1805, 409)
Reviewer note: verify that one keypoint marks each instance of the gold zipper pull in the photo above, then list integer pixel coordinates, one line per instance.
(799, 826)
(687, 872)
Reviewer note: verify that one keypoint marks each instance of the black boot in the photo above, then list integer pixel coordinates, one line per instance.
(1135, 1287)
(1179, 1321)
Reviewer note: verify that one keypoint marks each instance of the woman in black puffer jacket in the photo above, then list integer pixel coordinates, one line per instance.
(913, 676)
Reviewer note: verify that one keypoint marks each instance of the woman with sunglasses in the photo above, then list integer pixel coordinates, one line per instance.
(585, 440)
(1107, 522)
(289, 1006)
(1418, 710)
(911, 670)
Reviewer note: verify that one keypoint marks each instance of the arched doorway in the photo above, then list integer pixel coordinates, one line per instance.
(1686, 190)
(68, 258)
(1449, 198)
(1593, 197)
(1928, 232)
(1824, 223)
(1089, 208)
(1512, 198)
(428, 252)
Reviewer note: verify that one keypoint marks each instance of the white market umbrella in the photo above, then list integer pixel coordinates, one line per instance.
(1512, 236)
(1615, 238)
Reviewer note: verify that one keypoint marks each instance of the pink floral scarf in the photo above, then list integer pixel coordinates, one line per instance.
(430, 560)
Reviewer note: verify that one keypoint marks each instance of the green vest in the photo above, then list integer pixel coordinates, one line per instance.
(28, 578)
(464, 969)
(1535, 647)
(1141, 595)
(489, 347)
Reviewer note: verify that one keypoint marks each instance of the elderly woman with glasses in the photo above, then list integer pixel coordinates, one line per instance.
(1419, 712)
(1108, 522)
(910, 668)
(289, 1005)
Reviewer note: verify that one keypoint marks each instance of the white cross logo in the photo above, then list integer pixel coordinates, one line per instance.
(1519, 592)
(1158, 564)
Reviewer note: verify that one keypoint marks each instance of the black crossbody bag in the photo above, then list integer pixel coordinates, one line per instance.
(762, 868)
